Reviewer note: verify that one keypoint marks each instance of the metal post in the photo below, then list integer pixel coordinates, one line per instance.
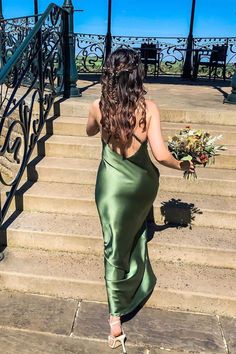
(1, 14)
(108, 40)
(232, 96)
(187, 69)
(72, 76)
(2, 37)
(36, 10)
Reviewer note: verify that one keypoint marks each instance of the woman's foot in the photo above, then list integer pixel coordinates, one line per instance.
(115, 324)
(117, 336)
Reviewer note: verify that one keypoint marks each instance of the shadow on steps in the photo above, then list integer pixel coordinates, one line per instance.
(175, 214)
(31, 173)
(174, 211)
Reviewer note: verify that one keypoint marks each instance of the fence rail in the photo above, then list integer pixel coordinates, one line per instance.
(90, 49)
(13, 31)
(31, 78)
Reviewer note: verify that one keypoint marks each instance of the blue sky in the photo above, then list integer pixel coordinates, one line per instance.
(150, 17)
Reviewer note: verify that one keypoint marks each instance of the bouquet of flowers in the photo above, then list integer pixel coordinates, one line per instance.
(195, 145)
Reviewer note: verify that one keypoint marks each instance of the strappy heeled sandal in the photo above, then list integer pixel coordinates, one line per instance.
(115, 342)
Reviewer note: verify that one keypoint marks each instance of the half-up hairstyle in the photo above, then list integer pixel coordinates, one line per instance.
(122, 94)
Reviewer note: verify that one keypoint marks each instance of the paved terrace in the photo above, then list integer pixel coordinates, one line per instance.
(174, 93)
(47, 325)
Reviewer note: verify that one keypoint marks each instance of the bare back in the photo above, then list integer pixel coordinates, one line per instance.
(139, 136)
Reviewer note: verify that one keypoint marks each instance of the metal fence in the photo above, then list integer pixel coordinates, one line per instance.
(13, 31)
(90, 52)
(35, 72)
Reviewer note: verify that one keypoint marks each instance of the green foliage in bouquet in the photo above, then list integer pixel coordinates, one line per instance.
(195, 145)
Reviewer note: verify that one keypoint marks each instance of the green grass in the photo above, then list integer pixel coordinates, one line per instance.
(95, 66)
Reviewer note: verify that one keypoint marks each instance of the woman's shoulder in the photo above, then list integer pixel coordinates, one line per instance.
(95, 109)
(151, 106)
(152, 110)
(95, 104)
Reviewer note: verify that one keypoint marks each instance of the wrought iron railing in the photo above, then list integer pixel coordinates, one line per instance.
(30, 80)
(13, 31)
(90, 51)
(171, 56)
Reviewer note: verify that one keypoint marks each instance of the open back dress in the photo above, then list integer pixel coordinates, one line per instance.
(126, 188)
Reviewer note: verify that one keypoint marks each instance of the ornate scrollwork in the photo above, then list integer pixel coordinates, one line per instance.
(27, 93)
(168, 50)
(171, 51)
(12, 33)
(91, 48)
(89, 52)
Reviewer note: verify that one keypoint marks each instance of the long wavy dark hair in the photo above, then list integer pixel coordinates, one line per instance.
(122, 94)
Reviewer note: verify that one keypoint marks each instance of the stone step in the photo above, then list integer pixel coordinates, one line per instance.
(83, 171)
(172, 207)
(77, 233)
(80, 107)
(197, 116)
(70, 275)
(90, 148)
(76, 126)
(72, 126)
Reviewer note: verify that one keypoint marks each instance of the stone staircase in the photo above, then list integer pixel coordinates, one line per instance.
(55, 244)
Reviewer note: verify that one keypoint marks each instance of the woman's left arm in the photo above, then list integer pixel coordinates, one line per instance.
(92, 127)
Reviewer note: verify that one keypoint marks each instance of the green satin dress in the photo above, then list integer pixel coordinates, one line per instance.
(125, 191)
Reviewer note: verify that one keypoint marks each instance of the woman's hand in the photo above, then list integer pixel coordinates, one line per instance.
(187, 165)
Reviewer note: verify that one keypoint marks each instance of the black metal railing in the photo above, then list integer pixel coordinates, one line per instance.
(36, 72)
(13, 32)
(90, 50)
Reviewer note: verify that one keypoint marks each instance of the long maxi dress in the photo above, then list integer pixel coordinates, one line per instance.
(126, 188)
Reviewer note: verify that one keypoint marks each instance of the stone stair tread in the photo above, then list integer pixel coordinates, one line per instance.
(59, 224)
(96, 140)
(176, 276)
(231, 150)
(90, 148)
(76, 126)
(183, 110)
(219, 129)
(223, 108)
(86, 192)
(70, 163)
(67, 225)
(70, 120)
(52, 264)
(214, 128)
(202, 202)
(73, 140)
(154, 92)
(78, 164)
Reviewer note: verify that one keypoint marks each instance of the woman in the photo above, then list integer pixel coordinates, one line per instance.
(127, 182)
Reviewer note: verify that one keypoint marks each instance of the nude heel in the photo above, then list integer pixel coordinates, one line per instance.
(115, 342)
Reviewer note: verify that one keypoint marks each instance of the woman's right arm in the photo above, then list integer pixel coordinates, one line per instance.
(158, 147)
